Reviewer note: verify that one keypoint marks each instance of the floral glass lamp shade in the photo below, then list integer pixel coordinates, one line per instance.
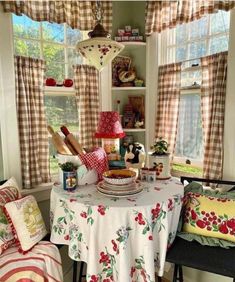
(110, 130)
(99, 49)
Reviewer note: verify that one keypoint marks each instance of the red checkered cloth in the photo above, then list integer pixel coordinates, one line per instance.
(96, 160)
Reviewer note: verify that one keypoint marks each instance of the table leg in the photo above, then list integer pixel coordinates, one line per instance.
(81, 271)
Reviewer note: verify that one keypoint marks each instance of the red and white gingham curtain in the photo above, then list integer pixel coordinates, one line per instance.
(168, 103)
(214, 72)
(86, 81)
(161, 15)
(77, 14)
(31, 121)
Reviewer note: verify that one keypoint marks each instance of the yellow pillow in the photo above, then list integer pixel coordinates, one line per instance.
(210, 216)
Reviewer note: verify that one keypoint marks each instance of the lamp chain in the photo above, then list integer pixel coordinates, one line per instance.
(98, 12)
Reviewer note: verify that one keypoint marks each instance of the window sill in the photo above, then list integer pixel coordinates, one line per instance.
(178, 173)
(59, 91)
(41, 193)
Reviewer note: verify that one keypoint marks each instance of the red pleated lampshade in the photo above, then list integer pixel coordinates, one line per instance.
(109, 125)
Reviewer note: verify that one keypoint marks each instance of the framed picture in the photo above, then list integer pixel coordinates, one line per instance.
(119, 63)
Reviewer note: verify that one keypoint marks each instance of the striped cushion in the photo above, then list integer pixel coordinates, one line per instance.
(42, 264)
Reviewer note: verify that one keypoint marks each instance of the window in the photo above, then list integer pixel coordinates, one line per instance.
(188, 43)
(55, 43)
(60, 110)
(199, 38)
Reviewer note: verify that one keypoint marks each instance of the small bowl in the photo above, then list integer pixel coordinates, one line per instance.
(119, 176)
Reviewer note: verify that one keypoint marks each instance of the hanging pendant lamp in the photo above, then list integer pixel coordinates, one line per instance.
(99, 49)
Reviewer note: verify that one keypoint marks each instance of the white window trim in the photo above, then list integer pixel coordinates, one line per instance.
(9, 126)
(41, 193)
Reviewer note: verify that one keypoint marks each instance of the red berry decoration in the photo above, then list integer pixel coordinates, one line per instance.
(50, 81)
(201, 223)
(223, 228)
(68, 82)
(193, 215)
(231, 223)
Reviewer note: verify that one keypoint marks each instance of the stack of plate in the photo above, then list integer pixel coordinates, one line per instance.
(124, 186)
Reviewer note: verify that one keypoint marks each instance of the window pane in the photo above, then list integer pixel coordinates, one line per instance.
(27, 48)
(198, 29)
(189, 141)
(74, 58)
(25, 27)
(62, 111)
(181, 53)
(218, 44)
(190, 78)
(57, 71)
(53, 53)
(197, 49)
(181, 33)
(53, 32)
(220, 22)
(73, 36)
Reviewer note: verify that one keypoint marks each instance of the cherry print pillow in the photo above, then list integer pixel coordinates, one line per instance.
(9, 191)
(209, 216)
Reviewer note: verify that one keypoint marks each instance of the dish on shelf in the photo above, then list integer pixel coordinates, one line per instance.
(119, 176)
(120, 193)
(128, 187)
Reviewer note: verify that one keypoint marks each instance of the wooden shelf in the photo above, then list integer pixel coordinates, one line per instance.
(134, 129)
(133, 43)
(128, 88)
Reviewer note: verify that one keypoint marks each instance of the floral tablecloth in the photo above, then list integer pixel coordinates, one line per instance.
(120, 239)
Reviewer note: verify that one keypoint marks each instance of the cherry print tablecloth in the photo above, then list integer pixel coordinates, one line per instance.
(120, 239)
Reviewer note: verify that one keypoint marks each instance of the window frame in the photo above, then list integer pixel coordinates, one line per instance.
(43, 42)
(51, 91)
(164, 44)
(167, 55)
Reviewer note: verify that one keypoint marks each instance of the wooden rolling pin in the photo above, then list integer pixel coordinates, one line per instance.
(70, 147)
(72, 140)
(58, 142)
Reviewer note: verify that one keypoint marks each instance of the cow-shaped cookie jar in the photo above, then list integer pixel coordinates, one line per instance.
(135, 156)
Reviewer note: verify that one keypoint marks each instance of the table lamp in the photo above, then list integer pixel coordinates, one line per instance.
(110, 131)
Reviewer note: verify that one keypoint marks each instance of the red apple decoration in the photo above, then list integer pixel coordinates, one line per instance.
(50, 81)
(68, 82)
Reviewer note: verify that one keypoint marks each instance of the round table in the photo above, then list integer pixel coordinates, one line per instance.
(120, 239)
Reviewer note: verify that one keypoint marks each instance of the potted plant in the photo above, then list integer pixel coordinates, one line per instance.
(69, 175)
(160, 158)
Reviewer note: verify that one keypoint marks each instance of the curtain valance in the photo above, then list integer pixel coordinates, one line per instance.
(77, 14)
(161, 15)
